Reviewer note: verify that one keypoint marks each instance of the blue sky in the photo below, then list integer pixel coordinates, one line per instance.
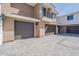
(64, 8)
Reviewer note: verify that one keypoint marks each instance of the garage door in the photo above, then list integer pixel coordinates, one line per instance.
(24, 30)
(50, 28)
(73, 29)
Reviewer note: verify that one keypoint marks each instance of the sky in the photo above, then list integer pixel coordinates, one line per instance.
(64, 8)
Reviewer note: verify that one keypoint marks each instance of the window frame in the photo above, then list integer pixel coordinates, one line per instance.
(70, 17)
(44, 11)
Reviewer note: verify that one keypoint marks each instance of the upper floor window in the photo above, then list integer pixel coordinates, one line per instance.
(70, 17)
(53, 15)
(44, 11)
(48, 14)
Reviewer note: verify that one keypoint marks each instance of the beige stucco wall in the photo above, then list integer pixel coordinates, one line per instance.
(62, 20)
(37, 10)
(6, 8)
(18, 8)
(41, 29)
(24, 9)
(8, 29)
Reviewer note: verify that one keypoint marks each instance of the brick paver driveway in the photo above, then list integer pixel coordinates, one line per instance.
(50, 45)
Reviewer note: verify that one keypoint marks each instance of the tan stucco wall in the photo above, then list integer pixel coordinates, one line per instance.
(41, 29)
(18, 8)
(8, 29)
(6, 8)
(37, 11)
(24, 9)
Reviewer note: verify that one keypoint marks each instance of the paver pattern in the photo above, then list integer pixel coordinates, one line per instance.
(51, 45)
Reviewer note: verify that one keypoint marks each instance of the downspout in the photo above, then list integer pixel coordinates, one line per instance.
(1, 28)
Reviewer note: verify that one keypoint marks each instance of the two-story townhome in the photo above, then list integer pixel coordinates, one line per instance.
(26, 20)
(69, 23)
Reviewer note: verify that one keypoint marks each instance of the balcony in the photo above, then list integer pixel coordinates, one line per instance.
(49, 18)
(48, 15)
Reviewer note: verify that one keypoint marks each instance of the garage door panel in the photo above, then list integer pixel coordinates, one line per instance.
(73, 29)
(24, 30)
(50, 28)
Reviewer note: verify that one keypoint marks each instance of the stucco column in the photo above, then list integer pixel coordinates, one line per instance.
(41, 29)
(56, 29)
(8, 30)
(35, 30)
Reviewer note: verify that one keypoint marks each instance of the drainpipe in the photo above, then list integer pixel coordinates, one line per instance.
(1, 29)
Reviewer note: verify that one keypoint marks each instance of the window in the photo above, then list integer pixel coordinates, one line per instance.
(48, 14)
(44, 11)
(70, 17)
(53, 15)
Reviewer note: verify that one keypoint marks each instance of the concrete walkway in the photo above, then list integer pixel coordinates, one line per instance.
(51, 45)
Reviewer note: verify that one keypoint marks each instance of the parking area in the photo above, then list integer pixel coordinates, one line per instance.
(51, 45)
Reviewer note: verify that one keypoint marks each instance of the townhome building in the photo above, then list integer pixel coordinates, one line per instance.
(69, 23)
(27, 20)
